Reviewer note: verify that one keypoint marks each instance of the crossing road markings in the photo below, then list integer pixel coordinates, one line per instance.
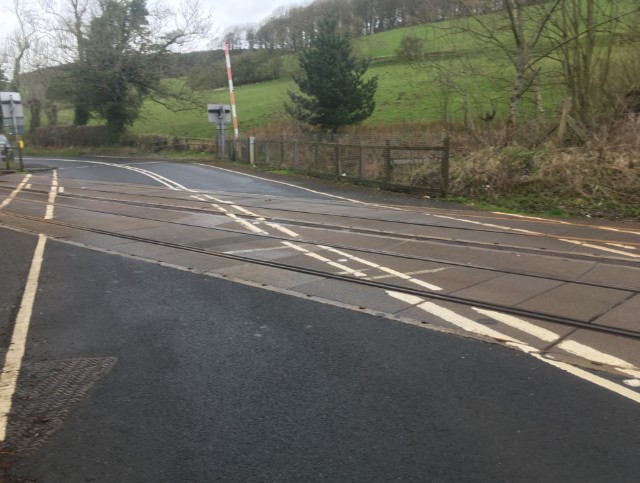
(15, 192)
(572, 347)
(474, 327)
(52, 196)
(598, 247)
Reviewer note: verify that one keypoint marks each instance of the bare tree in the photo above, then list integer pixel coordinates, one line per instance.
(18, 44)
(518, 34)
(584, 35)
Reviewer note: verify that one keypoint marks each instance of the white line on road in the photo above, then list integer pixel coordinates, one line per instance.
(471, 326)
(575, 242)
(15, 192)
(382, 268)
(15, 353)
(570, 346)
(310, 254)
(291, 185)
(52, 196)
(519, 324)
(618, 245)
(275, 226)
(256, 250)
(489, 225)
(598, 247)
(155, 176)
(587, 376)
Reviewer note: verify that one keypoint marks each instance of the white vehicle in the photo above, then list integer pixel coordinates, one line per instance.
(5, 148)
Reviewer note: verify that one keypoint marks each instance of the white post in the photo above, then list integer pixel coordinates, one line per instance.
(231, 92)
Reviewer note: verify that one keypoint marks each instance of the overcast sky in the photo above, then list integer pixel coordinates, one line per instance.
(226, 13)
(238, 12)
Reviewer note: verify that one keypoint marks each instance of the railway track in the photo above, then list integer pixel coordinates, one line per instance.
(404, 246)
(588, 325)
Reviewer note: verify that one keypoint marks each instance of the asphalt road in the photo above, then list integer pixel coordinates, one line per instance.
(216, 381)
(138, 372)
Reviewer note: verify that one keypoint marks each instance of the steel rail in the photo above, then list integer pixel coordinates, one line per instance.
(542, 316)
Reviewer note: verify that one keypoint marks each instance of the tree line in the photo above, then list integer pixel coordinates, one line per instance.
(291, 29)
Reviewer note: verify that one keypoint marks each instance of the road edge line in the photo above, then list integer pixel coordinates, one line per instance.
(15, 353)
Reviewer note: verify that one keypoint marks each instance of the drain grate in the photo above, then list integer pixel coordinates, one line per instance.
(45, 393)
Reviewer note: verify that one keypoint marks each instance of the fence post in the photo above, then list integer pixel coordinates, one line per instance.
(361, 162)
(282, 138)
(387, 159)
(295, 154)
(267, 158)
(315, 157)
(338, 160)
(444, 166)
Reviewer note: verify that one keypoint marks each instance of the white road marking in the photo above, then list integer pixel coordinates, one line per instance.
(254, 250)
(310, 254)
(52, 196)
(244, 223)
(15, 192)
(299, 187)
(523, 325)
(28, 187)
(587, 376)
(631, 372)
(15, 353)
(463, 322)
(572, 347)
(345, 269)
(446, 314)
(159, 178)
(390, 271)
(489, 225)
(536, 218)
(575, 242)
(155, 176)
(418, 272)
(626, 247)
(471, 326)
(218, 200)
(594, 355)
(609, 228)
(598, 247)
(275, 226)
(451, 317)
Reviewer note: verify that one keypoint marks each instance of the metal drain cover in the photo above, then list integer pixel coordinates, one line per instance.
(45, 393)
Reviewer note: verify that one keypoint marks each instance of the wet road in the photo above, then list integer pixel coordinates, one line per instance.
(147, 362)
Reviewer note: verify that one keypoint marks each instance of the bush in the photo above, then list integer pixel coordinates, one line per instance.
(411, 48)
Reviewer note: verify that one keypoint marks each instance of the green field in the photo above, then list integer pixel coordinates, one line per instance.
(406, 93)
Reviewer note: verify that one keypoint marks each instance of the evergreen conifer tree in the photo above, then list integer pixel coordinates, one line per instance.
(333, 91)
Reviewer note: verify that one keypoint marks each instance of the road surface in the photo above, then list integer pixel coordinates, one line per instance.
(182, 322)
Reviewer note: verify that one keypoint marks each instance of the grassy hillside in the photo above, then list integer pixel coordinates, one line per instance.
(474, 77)
(406, 93)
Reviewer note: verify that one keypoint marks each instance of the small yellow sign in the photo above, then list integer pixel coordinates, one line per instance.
(20, 142)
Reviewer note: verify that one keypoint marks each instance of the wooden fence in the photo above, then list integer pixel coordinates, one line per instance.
(400, 161)
(410, 167)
